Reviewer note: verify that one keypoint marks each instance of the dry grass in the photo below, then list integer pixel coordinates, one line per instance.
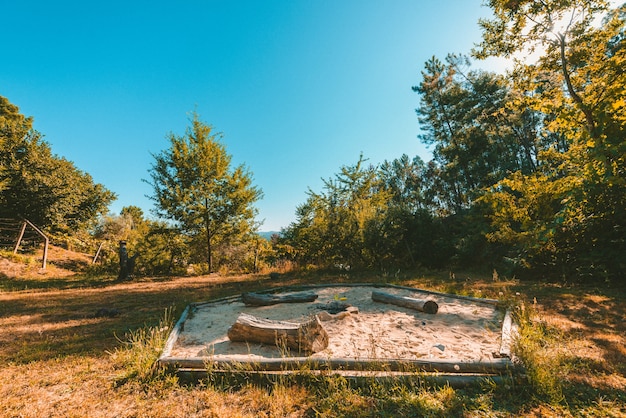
(61, 359)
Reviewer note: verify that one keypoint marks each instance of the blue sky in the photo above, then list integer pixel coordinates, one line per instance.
(298, 87)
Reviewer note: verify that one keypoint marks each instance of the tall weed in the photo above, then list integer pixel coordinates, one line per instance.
(538, 347)
(137, 357)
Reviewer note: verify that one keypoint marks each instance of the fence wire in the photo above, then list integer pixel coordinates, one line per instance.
(10, 231)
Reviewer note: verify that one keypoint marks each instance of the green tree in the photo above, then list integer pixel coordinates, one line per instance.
(343, 225)
(570, 213)
(405, 237)
(196, 187)
(477, 139)
(44, 188)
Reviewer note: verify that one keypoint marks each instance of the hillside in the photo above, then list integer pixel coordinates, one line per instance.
(60, 263)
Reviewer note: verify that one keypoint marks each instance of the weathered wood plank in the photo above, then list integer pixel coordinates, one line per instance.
(308, 337)
(509, 330)
(428, 306)
(492, 366)
(258, 299)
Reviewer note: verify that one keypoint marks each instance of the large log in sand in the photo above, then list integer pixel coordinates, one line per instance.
(309, 337)
(259, 299)
(428, 306)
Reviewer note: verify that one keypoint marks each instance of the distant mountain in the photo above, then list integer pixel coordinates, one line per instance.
(268, 234)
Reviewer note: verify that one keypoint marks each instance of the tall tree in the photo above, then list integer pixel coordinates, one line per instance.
(570, 213)
(405, 236)
(332, 226)
(521, 26)
(477, 139)
(44, 188)
(196, 187)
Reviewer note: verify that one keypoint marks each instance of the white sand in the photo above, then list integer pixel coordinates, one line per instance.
(460, 331)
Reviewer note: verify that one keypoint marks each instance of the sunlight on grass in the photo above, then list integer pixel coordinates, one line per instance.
(137, 357)
(537, 347)
(60, 360)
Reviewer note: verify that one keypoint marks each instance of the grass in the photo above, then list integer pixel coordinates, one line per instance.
(59, 358)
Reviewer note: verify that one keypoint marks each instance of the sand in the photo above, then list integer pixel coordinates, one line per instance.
(461, 330)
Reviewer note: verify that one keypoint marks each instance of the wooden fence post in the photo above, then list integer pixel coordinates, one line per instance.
(95, 257)
(38, 231)
(19, 238)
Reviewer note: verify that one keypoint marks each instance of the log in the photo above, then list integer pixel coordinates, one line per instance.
(258, 299)
(428, 306)
(308, 337)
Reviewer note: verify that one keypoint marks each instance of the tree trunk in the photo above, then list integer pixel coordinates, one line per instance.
(428, 306)
(308, 337)
(207, 222)
(590, 121)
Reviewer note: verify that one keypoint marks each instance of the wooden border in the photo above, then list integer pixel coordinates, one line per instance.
(465, 372)
(497, 366)
(456, 381)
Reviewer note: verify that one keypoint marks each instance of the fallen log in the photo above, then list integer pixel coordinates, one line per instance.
(428, 306)
(308, 337)
(259, 299)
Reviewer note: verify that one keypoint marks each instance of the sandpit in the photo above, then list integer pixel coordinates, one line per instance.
(465, 335)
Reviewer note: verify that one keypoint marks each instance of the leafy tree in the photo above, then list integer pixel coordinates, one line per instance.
(196, 187)
(44, 188)
(163, 250)
(332, 225)
(477, 139)
(569, 215)
(407, 234)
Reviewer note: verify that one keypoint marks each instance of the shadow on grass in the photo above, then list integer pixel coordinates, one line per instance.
(9, 284)
(63, 318)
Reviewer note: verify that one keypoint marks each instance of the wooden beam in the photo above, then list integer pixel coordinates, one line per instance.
(95, 257)
(19, 238)
(41, 234)
(509, 331)
(491, 366)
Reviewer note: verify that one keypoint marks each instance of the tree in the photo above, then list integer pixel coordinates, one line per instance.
(44, 188)
(196, 187)
(332, 226)
(526, 25)
(477, 139)
(570, 213)
(406, 233)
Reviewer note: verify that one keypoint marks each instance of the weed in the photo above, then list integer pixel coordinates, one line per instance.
(137, 357)
(537, 347)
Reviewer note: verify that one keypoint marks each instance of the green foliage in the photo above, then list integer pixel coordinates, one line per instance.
(209, 201)
(477, 141)
(369, 216)
(160, 248)
(35, 184)
(528, 168)
(334, 227)
(567, 218)
(538, 349)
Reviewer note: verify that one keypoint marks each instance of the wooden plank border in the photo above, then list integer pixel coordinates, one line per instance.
(498, 366)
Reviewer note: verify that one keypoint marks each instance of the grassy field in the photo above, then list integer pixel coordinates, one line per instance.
(60, 357)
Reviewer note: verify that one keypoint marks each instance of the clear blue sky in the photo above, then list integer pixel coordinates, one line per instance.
(298, 87)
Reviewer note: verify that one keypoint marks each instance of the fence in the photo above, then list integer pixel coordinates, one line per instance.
(16, 233)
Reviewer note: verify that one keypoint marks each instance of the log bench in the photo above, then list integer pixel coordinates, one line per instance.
(259, 299)
(307, 337)
(428, 306)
